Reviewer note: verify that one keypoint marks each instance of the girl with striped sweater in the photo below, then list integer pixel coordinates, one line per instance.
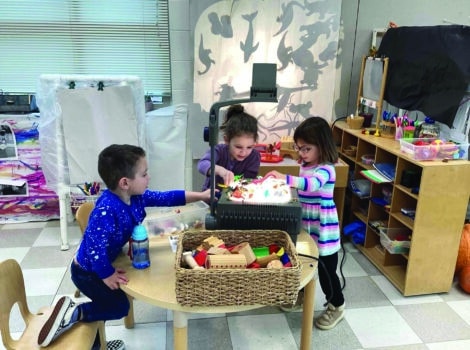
(315, 184)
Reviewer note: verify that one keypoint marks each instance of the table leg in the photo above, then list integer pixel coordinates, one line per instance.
(307, 315)
(180, 330)
(129, 319)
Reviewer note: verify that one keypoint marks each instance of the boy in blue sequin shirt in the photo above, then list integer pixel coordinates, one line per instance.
(121, 207)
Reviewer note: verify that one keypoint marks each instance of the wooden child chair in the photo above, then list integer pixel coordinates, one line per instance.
(82, 215)
(12, 291)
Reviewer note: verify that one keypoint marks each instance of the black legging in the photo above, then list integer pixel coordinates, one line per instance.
(332, 291)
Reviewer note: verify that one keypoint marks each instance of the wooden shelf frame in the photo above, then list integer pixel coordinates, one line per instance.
(440, 205)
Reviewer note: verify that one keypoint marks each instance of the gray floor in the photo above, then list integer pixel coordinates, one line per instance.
(377, 315)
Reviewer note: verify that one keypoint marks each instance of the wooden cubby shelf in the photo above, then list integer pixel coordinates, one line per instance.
(437, 192)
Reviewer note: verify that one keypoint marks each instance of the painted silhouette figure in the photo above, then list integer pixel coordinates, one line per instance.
(287, 15)
(284, 53)
(248, 47)
(204, 57)
(222, 27)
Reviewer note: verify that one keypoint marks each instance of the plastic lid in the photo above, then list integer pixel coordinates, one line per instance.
(139, 233)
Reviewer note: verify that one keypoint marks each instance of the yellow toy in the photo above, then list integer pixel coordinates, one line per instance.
(287, 149)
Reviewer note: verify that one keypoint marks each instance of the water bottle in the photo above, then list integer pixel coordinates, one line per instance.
(140, 248)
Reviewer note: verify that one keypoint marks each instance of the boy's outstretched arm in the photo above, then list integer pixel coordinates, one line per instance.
(198, 196)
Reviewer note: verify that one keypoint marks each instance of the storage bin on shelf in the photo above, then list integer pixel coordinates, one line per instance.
(170, 220)
(350, 150)
(248, 286)
(360, 187)
(77, 198)
(433, 148)
(395, 240)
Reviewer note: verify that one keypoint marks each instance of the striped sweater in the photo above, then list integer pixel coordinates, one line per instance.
(315, 185)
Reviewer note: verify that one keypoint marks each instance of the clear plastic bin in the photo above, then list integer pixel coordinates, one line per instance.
(433, 148)
(173, 220)
(395, 240)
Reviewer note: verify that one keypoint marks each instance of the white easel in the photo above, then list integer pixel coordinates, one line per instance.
(55, 138)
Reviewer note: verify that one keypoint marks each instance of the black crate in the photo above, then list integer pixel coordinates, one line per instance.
(17, 103)
(232, 215)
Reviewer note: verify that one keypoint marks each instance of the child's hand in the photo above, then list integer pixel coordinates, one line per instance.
(275, 174)
(225, 174)
(117, 278)
(206, 195)
(199, 196)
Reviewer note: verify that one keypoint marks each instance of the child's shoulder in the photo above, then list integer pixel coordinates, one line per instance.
(108, 200)
(318, 166)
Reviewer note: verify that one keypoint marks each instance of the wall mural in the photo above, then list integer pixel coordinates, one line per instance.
(300, 37)
(24, 195)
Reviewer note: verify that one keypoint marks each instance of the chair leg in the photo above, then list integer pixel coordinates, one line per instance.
(129, 319)
(102, 335)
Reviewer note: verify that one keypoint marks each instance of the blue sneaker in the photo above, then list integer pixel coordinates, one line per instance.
(58, 322)
(115, 345)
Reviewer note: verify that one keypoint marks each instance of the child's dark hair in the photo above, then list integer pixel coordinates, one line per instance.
(238, 123)
(316, 131)
(118, 161)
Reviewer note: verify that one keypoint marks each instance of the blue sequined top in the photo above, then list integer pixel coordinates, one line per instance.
(110, 226)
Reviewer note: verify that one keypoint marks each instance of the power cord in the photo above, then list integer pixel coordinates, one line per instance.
(336, 120)
(326, 272)
(343, 259)
(341, 264)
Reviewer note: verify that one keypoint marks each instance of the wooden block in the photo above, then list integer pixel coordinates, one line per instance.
(245, 249)
(232, 261)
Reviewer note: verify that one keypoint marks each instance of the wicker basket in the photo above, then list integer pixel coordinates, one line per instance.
(222, 287)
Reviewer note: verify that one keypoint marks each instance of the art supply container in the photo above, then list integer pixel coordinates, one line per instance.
(355, 122)
(367, 119)
(408, 132)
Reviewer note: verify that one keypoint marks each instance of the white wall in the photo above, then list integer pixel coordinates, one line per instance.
(181, 46)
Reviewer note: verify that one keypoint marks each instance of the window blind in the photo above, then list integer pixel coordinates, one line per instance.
(106, 37)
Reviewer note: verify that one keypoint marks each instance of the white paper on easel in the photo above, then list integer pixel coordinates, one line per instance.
(372, 80)
(93, 120)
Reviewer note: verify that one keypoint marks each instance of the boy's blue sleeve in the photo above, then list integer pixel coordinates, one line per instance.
(164, 198)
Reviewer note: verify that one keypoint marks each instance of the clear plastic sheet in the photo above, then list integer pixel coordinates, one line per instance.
(166, 142)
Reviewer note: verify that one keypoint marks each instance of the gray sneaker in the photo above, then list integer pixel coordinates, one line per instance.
(58, 322)
(330, 317)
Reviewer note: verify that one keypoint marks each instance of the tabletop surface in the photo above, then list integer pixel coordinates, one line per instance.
(156, 284)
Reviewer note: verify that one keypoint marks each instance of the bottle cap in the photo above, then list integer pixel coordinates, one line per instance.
(139, 233)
